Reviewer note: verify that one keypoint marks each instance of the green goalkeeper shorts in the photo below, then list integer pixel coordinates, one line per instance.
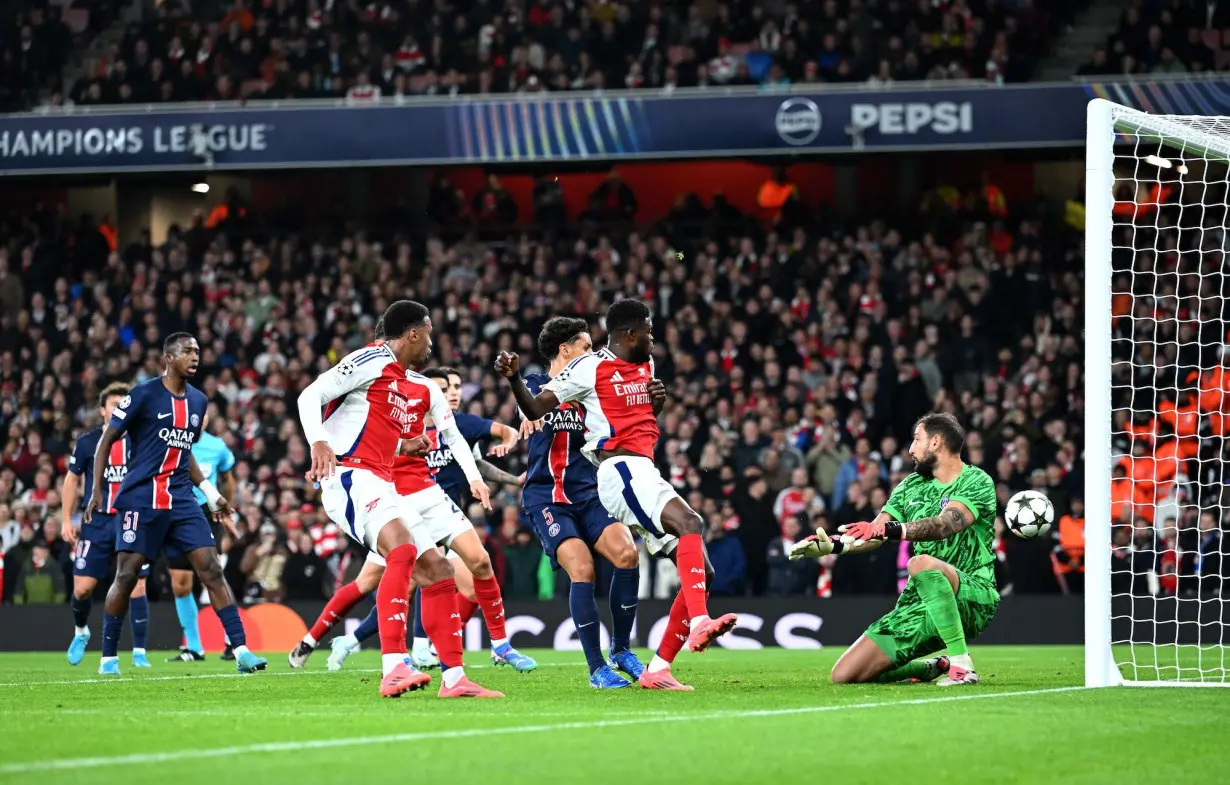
(906, 633)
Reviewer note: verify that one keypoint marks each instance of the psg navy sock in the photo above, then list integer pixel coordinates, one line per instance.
(112, 626)
(81, 611)
(229, 616)
(624, 586)
(138, 610)
(584, 610)
(370, 625)
(419, 630)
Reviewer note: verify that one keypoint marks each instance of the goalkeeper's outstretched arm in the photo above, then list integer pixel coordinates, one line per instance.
(952, 519)
(820, 544)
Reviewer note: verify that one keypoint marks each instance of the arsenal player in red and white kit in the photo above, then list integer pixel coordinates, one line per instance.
(375, 410)
(355, 416)
(616, 389)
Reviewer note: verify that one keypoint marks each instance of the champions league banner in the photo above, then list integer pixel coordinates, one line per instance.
(791, 623)
(561, 127)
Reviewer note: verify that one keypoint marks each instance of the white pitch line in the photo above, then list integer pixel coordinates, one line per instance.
(292, 714)
(263, 675)
(140, 679)
(318, 744)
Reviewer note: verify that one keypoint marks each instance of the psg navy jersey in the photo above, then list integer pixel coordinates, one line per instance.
(82, 464)
(449, 476)
(162, 428)
(558, 472)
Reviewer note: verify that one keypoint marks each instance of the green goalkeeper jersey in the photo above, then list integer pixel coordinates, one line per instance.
(969, 550)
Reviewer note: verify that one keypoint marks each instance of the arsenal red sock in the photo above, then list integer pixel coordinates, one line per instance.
(393, 599)
(676, 632)
(487, 593)
(340, 604)
(690, 561)
(442, 621)
(465, 608)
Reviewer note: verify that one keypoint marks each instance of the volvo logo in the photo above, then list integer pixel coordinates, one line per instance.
(798, 121)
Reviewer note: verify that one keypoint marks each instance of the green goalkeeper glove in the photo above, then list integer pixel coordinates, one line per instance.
(812, 547)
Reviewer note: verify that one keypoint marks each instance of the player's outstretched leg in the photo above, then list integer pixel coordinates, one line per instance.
(392, 605)
(138, 618)
(928, 669)
(209, 568)
(79, 604)
(127, 573)
(657, 675)
(345, 645)
(438, 592)
(936, 583)
(682, 521)
(338, 607)
(616, 545)
(489, 598)
(574, 557)
(422, 655)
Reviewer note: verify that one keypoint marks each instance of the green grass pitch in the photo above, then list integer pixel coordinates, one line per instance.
(756, 716)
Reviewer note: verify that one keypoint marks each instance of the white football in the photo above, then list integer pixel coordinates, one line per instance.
(1029, 514)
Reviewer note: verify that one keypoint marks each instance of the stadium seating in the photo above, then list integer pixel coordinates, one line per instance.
(822, 368)
(1173, 37)
(361, 52)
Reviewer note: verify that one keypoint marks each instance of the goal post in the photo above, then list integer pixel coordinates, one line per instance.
(1154, 381)
(1100, 668)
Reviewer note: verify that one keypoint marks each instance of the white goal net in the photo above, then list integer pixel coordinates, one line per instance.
(1157, 405)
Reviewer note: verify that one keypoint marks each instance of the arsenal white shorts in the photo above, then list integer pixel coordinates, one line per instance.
(657, 545)
(634, 492)
(362, 504)
(441, 519)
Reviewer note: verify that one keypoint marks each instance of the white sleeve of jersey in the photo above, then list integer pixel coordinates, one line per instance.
(450, 434)
(334, 383)
(576, 381)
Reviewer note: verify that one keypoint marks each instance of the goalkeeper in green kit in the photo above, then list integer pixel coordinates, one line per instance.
(947, 509)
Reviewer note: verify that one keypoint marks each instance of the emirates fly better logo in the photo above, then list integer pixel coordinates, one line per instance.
(798, 121)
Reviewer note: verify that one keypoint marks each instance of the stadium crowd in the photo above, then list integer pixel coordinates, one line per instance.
(797, 358)
(1165, 37)
(316, 49)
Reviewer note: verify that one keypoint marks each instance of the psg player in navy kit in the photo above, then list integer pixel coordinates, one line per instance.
(560, 498)
(94, 544)
(155, 509)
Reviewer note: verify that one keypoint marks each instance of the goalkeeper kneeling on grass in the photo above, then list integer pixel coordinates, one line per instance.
(947, 509)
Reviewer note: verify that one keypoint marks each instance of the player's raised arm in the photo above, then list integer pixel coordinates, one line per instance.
(534, 407)
(448, 433)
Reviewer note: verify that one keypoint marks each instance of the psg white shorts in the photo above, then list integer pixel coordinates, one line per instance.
(362, 504)
(634, 492)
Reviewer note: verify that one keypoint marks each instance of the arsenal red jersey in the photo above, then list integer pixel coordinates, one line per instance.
(614, 398)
